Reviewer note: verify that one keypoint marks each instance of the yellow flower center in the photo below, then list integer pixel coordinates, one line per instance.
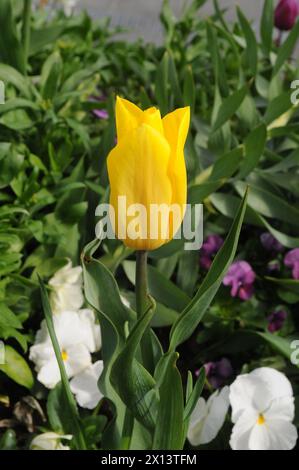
(64, 355)
(261, 420)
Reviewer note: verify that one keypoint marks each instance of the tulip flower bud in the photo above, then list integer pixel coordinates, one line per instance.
(286, 14)
(147, 170)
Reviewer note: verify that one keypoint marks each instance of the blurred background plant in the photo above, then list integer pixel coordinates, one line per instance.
(61, 75)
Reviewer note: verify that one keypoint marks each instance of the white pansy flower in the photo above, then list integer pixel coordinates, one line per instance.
(75, 358)
(49, 441)
(208, 417)
(76, 334)
(67, 291)
(85, 386)
(262, 411)
(91, 332)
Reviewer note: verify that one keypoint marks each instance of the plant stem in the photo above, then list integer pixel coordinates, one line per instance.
(141, 306)
(26, 29)
(141, 282)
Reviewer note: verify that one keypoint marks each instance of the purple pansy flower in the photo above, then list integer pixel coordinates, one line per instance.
(209, 248)
(218, 372)
(291, 260)
(240, 277)
(286, 14)
(101, 113)
(276, 320)
(270, 243)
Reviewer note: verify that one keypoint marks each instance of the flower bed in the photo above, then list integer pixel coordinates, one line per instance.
(206, 355)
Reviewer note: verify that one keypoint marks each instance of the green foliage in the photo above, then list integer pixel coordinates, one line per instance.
(53, 149)
(17, 368)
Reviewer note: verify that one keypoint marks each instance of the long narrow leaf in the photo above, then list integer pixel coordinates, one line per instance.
(169, 429)
(194, 312)
(74, 415)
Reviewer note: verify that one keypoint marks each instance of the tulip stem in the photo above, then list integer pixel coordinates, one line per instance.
(141, 306)
(141, 282)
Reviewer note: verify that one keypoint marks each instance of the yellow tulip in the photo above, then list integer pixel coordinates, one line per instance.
(147, 167)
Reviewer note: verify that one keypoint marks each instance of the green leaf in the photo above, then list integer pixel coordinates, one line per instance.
(229, 107)
(58, 411)
(102, 293)
(196, 393)
(227, 164)
(69, 399)
(217, 62)
(187, 274)
(8, 440)
(189, 92)
(17, 120)
(219, 142)
(68, 212)
(131, 380)
(251, 51)
(169, 249)
(11, 76)
(227, 204)
(194, 312)
(16, 368)
(161, 84)
(248, 113)
(163, 316)
(51, 74)
(167, 19)
(286, 240)
(11, 161)
(278, 343)
(289, 284)
(288, 181)
(10, 323)
(267, 23)
(198, 192)
(169, 430)
(81, 132)
(288, 162)
(286, 49)
(174, 82)
(277, 107)
(167, 266)
(11, 50)
(190, 9)
(93, 428)
(42, 37)
(219, 14)
(268, 204)
(254, 147)
(18, 103)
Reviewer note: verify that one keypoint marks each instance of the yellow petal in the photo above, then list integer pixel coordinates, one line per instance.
(128, 116)
(152, 117)
(138, 168)
(176, 126)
